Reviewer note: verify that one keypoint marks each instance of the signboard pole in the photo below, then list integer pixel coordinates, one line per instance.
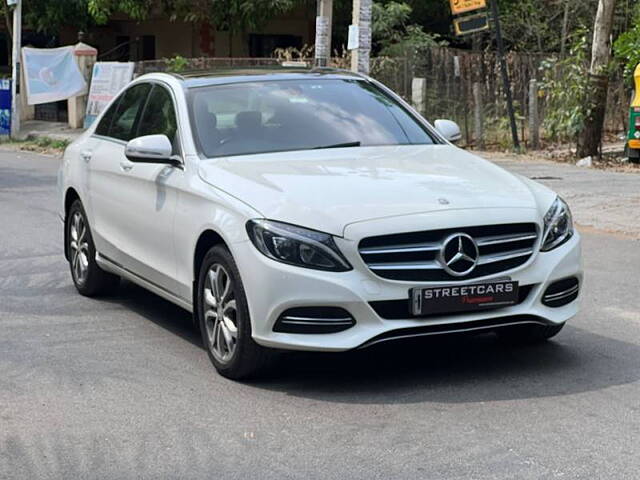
(323, 32)
(15, 69)
(505, 75)
(362, 22)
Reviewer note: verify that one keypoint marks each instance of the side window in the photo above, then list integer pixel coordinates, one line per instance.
(105, 123)
(159, 116)
(124, 120)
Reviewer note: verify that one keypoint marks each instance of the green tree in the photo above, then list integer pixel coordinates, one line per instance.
(393, 34)
(627, 46)
(232, 16)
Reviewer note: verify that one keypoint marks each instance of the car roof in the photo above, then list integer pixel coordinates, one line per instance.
(204, 78)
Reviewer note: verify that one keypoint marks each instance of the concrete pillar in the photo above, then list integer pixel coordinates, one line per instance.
(478, 115)
(419, 95)
(534, 119)
(27, 112)
(86, 57)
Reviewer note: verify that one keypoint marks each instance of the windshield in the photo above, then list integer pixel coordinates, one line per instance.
(274, 116)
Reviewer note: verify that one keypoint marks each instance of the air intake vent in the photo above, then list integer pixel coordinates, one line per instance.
(314, 320)
(415, 256)
(561, 293)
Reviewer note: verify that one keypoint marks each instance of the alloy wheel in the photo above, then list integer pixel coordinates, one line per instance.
(220, 313)
(79, 246)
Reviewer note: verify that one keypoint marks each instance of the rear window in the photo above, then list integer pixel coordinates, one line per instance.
(274, 116)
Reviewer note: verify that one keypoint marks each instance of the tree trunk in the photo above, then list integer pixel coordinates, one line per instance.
(565, 28)
(591, 136)
(8, 20)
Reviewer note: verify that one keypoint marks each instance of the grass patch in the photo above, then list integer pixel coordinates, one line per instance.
(47, 145)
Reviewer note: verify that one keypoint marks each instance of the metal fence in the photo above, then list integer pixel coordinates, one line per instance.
(449, 76)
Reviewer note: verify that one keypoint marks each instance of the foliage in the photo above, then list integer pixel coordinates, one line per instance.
(567, 90)
(176, 64)
(101, 10)
(391, 32)
(229, 15)
(627, 46)
(293, 54)
(48, 17)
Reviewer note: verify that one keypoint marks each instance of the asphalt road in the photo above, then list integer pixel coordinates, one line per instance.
(121, 387)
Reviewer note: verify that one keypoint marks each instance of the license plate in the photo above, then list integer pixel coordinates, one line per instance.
(463, 298)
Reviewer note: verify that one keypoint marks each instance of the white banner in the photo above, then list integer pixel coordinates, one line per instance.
(107, 80)
(51, 74)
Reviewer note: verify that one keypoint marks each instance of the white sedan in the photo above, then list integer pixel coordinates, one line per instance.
(310, 210)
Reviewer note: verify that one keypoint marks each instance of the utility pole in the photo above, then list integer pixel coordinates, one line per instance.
(323, 32)
(362, 22)
(505, 75)
(15, 66)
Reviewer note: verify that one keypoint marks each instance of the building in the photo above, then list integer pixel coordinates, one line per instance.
(123, 39)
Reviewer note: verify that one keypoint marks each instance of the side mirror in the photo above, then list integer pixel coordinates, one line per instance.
(448, 129)
(150, 149)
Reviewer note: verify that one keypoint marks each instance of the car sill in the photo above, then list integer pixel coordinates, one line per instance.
(118, 269)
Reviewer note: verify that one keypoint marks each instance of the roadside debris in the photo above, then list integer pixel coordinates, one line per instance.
(585, 162)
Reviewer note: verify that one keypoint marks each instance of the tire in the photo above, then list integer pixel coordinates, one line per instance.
(529, 334)
(89, 279)
(223, 317)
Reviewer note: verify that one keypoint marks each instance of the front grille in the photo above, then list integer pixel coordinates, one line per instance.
(413, 256)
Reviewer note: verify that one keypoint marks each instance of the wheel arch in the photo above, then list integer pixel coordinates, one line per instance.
(207, 239)
(70, 196)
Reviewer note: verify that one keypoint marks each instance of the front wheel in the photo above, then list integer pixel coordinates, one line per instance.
(224, 319)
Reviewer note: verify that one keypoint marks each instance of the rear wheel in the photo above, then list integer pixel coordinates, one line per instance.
(224, 320)
(523, 334)
(89, 279)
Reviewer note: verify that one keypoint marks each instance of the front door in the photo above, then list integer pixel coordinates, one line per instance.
(134, 203)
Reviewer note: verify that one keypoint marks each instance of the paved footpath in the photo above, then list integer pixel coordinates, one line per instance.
(608, 201)
(121, 387)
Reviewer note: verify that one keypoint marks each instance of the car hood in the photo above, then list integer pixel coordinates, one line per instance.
(329, 189)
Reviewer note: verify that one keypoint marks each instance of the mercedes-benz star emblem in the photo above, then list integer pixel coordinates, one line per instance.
(459, 254)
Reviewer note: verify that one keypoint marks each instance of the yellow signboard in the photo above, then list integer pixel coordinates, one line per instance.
(462, 6)
(471, 24)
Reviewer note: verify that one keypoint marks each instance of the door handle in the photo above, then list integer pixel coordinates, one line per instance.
(125, 166)
(86, 155)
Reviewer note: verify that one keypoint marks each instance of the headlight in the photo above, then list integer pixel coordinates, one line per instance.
(296, 245)
(558, 225)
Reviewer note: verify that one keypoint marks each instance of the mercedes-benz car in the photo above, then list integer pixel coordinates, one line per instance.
(310, 210)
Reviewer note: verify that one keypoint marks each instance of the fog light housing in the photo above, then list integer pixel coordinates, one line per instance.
(561, 292)
(312, 320)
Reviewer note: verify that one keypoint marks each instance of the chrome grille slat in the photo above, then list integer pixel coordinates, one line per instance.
(563, 294)
(485, 259)
(418, 247)
(415, 256)
(406, 266)
(498, 239)
(314, 322)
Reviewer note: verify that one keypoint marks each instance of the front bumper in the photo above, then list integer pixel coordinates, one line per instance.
(272, 287)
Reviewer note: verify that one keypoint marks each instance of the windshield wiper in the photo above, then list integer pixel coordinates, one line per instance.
(339, 145)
